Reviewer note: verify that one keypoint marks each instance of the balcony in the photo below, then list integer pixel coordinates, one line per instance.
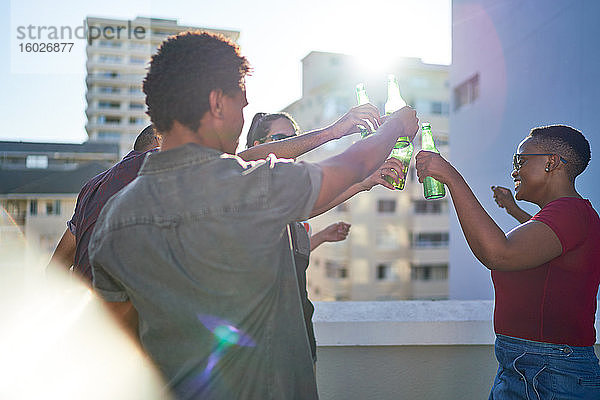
(116, 80)
(18, 218)
(123, 95)
(405, 350)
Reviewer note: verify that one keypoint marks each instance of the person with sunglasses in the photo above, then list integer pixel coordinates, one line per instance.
(545, 272)
(504, 197)
(269, 128)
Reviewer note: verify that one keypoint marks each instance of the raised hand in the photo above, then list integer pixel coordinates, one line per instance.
(503, 197)
(409, 123)
(392, 167)
(336, 232)
(353, 120)
(434, 165)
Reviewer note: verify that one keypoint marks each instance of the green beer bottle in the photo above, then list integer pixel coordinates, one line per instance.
(362, 98)
(403, 148)
(432, 188)
(394, 100)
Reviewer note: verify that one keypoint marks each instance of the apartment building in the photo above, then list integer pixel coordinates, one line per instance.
(39, 184)
(118, 52)
(398, 242)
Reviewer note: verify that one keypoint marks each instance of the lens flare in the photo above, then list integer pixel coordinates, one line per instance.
(54, 328)
(225, 332)
(226, 335)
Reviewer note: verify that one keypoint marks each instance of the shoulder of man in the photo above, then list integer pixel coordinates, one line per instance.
(271, 161)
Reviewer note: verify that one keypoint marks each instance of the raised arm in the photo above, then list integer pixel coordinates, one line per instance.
(298, 145)
(64, 254)
(363, 157)
(527, 246)
(505, 199)
(391, 167)
(333, 233)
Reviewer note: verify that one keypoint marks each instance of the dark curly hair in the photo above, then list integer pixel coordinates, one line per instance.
(567, 142)
(183, 72)
(145, 139)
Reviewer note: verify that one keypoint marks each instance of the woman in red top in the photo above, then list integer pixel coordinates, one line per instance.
(546, 271)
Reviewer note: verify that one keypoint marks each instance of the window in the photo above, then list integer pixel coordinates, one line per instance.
(335, 270)
(103, 58)
(137, 60)
(467, 92)
(108, 89)
(136, 106)
(433, 272)
(431, 239)
(33, 204)
(104, 119)
(108, 74)
(53, 207)
(36, 162)
(386, 206)
(428, 206)
(137, 45)
(109, 43)
(109, 104)
(109, 136)
(384, 272)
(134, 89)
(136, 120)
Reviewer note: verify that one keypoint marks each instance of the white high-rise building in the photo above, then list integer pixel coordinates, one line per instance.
(516, 65)
(118, 52)
(398, 242)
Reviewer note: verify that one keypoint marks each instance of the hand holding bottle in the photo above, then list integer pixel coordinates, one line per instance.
(406, 121)
(432, 189)
(434, 165)
(390, 170)
(357, 117)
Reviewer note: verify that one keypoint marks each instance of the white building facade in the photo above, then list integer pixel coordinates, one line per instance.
(516, 65)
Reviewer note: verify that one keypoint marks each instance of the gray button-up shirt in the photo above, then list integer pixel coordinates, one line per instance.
(198, 242)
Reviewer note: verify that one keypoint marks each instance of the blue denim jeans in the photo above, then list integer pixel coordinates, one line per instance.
(529, 370)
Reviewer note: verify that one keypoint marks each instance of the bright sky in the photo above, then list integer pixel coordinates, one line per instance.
(274, 35)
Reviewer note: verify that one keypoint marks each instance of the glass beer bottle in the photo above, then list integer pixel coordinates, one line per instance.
(362, 98)
(432, 188)
(403, 148)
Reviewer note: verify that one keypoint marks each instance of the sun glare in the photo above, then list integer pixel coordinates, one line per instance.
(58, 342)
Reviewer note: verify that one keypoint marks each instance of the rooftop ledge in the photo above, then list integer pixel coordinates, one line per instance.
(408, 323)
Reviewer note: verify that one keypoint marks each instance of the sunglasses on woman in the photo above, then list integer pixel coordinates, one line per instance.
(518, 160)
(275, 137)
